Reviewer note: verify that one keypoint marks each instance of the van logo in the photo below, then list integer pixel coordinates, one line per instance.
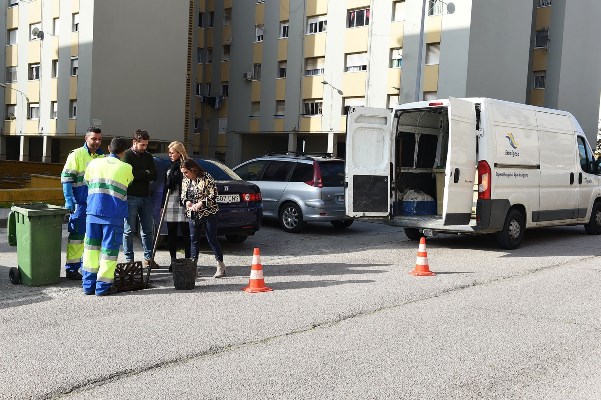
(512, 141)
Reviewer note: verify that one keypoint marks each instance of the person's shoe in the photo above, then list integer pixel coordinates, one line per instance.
(73, 275)
(150, 264)
(220, 273)
(88, 292)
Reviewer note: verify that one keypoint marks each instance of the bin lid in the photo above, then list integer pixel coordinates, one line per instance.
(38, 209)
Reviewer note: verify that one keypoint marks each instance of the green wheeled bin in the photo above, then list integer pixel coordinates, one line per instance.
(36, 230)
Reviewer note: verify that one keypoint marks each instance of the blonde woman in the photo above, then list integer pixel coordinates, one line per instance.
(175, 214)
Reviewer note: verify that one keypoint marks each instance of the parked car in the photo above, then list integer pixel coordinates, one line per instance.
(299, 188)
(240, 206)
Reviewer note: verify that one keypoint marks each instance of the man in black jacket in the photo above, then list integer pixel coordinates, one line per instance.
(138, 197)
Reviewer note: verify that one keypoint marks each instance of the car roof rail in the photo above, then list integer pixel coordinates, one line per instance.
(301, 154)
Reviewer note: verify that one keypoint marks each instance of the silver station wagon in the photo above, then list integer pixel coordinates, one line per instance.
(299, 188)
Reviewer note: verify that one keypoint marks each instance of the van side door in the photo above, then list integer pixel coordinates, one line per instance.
(586, 178)
(461, 163)
(368, 162)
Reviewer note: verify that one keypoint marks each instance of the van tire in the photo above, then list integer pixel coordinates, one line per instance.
(594, 225)
(512, 234)
(291, 218)
(413, 234)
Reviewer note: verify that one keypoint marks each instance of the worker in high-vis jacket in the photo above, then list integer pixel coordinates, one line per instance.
(76, 194)
(107, 179)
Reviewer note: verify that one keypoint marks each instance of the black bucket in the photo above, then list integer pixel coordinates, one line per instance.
(184, 273)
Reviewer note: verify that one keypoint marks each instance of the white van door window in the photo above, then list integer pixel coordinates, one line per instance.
(461, 163)
(587, 180)
(368, 162)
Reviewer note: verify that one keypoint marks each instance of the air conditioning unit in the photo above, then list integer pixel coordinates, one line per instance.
(247, 76)
(11, 116)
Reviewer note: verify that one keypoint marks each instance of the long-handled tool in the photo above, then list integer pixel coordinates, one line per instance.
(158, 233)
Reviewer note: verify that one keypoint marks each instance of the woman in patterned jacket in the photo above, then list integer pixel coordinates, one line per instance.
(175, 213)
(199, 195)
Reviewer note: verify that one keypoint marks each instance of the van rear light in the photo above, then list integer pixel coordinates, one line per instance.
(435, 104)
(484, 180)
(251, 196)
(316, 181)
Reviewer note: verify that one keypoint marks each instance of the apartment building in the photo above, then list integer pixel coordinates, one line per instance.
(69, 64)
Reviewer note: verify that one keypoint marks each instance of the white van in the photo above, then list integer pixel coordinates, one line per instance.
(480, 166)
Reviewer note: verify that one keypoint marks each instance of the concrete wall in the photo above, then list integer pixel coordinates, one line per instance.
(139, 67)
(573, 81)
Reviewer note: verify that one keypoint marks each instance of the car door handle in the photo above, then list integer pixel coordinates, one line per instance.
(580, 178)
(456, 177)
(571, 178)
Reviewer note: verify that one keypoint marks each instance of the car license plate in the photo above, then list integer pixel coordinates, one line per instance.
(228, 198)
(340, 198)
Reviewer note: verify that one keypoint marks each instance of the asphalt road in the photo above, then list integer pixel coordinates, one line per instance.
(345, 321)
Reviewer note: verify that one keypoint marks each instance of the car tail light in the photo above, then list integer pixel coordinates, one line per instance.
(484, 183)
(316, 181)
(251, 196)
(435, 104)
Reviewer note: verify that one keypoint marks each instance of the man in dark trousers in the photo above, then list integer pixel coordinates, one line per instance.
(138, 197)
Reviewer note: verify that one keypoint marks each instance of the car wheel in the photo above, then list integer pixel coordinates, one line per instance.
(594, 225)
(236, 238)
(291, 218)
(412, 234)
(345, 223)
(14, 275)
(512, 234)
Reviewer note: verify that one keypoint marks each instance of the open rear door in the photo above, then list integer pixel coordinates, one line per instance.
(368, 155)
(461, 163)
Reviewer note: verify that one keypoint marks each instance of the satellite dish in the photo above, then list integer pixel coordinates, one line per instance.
(36, 32)
(450, 8)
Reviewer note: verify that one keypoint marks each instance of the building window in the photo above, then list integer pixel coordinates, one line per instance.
(10, 111)
(211, 21)
(356, 62)
(257, 72)
(222, 128)
(209, 55)
(349, 102)
(73, 109)
(75, 23)
(396, 58)
(74, 66)
(225, 89)
(282, 67)
(55, 26)
(539, 80)
(53, 109)
(226, 53)
(255, 109)
(207, 89)
(317, 24)
(11, 37)
(398, 10)
(428, 96)
(38, 26)
(198, 89)
(543, 3)
(227, 16)
(542, 38)
(11, 74)
(259, 30)
(13, 3)
(358, 17)
(436, 7)
(196, 124)
(280, 108)
(314, 66)
(199, 55)
(34, 72)
(33, 111)
(54, 68)
(432, 53)
(201, 17)
(312, 107)
(284, 29)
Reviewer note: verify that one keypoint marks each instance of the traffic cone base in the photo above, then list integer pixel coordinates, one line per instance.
(421, 263)
(256, 283)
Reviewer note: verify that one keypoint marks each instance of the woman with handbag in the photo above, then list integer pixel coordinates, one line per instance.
(175, 213)
(199, 196)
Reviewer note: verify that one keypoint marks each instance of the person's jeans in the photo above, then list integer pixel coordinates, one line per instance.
(140, 207)
(210, 226)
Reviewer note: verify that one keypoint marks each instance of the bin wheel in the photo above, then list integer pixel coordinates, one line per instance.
(14, 275)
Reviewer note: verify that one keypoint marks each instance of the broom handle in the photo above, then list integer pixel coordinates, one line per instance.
(156, 238)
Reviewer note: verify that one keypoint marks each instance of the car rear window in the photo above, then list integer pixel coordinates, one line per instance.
(218, 173)
(302, 173)
(332, 173)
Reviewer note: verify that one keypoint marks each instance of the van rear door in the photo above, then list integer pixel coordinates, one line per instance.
(461, 163)
(368, 162)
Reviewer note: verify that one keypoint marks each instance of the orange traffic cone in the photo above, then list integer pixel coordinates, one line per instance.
(421, 264)
(256, 283)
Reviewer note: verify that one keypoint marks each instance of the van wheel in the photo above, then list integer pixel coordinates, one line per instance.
(291, 218)
(413, 234)
(512, 234)
(14, 275)
(594, 225)
(345, 223)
